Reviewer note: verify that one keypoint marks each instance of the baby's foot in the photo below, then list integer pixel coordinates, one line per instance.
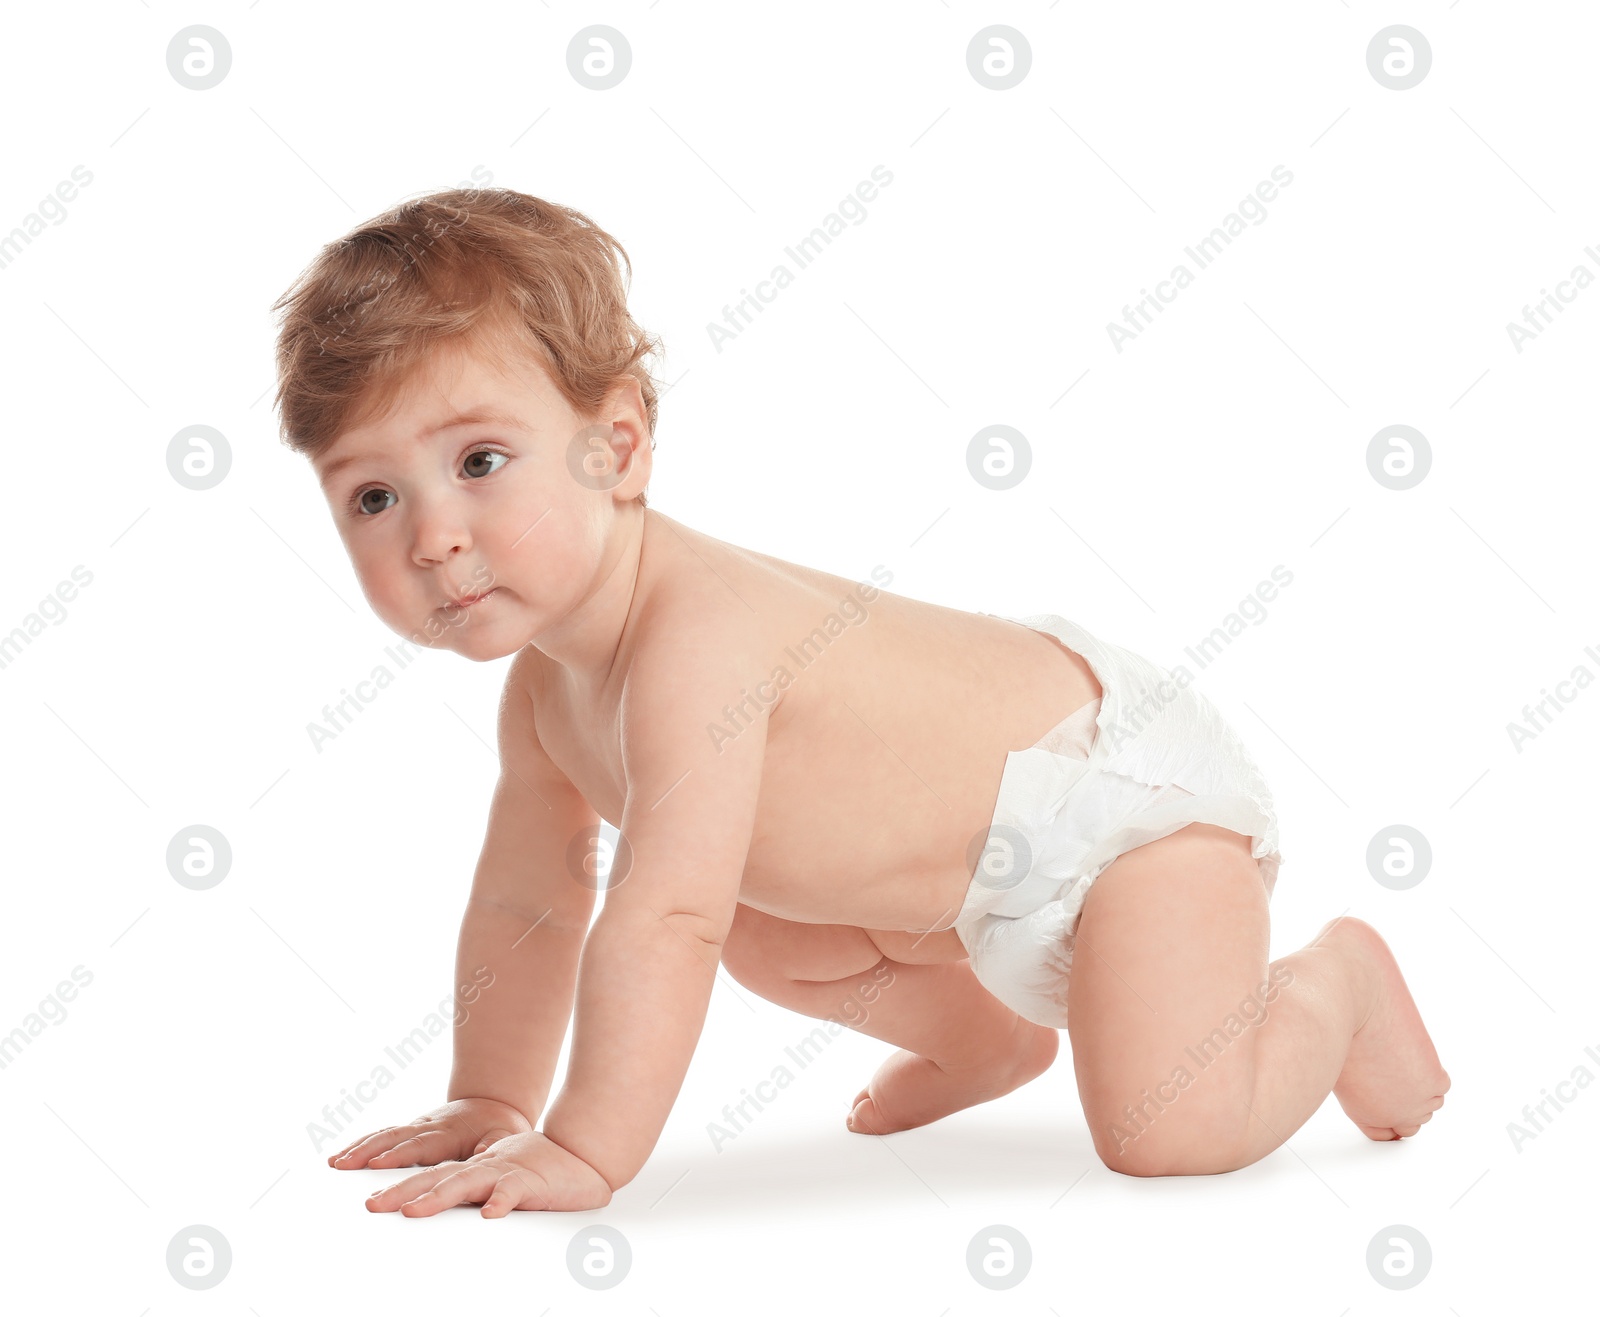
(911, 1090)
(1392, 1081)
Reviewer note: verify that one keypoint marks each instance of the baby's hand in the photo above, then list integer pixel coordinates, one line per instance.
(448, 1133)
(524, 1171)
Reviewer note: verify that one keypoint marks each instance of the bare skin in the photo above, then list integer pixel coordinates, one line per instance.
(1173, 938)
(805, 768)
(905, 717)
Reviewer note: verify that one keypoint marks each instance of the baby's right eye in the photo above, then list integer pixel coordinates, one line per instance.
(360, 506)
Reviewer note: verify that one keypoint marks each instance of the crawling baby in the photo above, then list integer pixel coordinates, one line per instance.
(987, 828)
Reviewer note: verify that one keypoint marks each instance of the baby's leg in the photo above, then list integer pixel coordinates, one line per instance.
(961, 1045)
(1195, 1055)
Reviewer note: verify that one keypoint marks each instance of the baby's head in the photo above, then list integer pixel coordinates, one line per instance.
(467, 381)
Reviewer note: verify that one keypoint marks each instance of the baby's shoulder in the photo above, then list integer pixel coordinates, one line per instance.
(686, 630)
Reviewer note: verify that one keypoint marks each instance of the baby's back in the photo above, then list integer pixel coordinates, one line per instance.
(889, 720)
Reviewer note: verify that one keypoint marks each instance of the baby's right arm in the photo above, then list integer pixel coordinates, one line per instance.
(516, 958)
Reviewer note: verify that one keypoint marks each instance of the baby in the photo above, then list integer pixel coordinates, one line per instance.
(955, 832)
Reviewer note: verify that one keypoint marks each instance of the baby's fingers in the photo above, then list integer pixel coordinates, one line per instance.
(426, 1148)
(403, 1191)
(354, 1155)
(510, 1190)
(472, 1183)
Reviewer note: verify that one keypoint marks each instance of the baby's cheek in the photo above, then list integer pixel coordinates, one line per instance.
(379, 595)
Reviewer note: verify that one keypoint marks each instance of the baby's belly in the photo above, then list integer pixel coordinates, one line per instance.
(836, 845)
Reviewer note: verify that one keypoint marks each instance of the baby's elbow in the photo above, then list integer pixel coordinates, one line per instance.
(710, 931)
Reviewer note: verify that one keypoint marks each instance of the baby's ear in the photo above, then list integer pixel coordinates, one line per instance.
(630, 441)
(640, 459)
(625, 406)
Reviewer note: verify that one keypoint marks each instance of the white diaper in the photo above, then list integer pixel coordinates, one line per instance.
(1145, 759)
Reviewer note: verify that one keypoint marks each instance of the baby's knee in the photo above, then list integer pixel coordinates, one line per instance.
(1179, 1126)
(1177, 1154)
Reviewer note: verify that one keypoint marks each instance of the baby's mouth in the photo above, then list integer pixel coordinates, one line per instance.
(467, 601)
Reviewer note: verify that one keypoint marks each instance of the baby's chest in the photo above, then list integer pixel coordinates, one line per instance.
(825, 768)
(864, 822)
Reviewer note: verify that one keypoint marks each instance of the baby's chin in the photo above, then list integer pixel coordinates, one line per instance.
(479, 643)
(482, 644)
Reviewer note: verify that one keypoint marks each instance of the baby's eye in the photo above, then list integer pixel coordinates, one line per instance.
(363, 507)
(484, 452)
(362, 504)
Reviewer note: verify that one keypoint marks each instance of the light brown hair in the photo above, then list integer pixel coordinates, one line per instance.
(496, 270)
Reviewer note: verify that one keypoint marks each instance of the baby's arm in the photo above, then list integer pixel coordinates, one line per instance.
(650, 960)
(516, 958)
(652, 956)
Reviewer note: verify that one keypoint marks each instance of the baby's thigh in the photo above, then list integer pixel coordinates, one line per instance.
(1173, 937)
(767, 954)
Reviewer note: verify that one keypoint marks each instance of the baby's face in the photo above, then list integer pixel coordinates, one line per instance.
(434, 508)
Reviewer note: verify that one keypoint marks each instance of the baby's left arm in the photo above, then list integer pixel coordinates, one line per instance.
(650, 958)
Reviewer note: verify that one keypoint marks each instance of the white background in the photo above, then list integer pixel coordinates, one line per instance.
(1167, 480)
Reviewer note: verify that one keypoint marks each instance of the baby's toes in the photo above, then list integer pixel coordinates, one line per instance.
(864, 1117)
(857, 1121)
